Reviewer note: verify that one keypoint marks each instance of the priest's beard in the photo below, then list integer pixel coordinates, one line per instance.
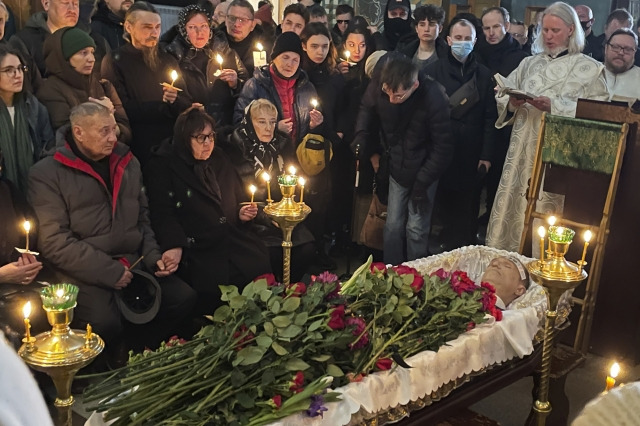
(150, 57)
(555, 51)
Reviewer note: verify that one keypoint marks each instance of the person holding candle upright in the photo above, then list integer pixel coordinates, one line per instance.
(195, 197)
(212, 71)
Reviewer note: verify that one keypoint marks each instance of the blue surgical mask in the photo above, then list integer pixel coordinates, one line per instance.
(461, 49)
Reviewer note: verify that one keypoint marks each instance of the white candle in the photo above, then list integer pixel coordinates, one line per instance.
(252, 189)
(301, 181)
(259, 56)
(174, 77)
(219, 60)
(27, 227)
(314, 103)
(26, 311)
(267, 179)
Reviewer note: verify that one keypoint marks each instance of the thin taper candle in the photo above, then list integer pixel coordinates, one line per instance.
(301, 181)
(27, 227)
(541, 233)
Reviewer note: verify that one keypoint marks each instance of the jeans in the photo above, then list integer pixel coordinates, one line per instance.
(406, 232)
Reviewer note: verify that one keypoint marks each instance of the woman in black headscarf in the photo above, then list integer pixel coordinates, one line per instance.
(195, 197)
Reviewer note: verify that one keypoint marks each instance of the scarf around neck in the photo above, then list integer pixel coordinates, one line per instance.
(15, 143)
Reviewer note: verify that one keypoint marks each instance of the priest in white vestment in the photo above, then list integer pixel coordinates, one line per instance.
(556, 77)
(623, 77)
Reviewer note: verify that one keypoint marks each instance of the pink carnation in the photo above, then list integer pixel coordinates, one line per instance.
(360, 326)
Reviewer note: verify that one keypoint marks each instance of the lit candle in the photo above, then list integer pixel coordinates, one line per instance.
(252, 189)
(219, 60)
(27, 227)
(259, 46)
(174, 77)
(551, 220)
(301, 181)
(267, 179)
(292, 170)
(541, 233)
(347, 55)
(26, 310)
(314, 103)
(587, 237)
(60, 296)
(259, 56)
(611, 378)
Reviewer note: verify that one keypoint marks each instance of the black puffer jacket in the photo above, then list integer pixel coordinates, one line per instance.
(108, 25)
(409, 45)
(503, 57)
(420, 152)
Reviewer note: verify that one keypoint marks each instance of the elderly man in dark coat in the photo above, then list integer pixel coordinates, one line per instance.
(94, 224)
(138, 71)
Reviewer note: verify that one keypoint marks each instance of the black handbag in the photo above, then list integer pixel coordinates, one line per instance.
(462, 100)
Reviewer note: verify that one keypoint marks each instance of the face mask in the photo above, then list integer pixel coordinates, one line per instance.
(585, 25)
(461, 49)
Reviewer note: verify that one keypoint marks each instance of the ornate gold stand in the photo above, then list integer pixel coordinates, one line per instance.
(287, 214)
(60, 353)
(556, 275)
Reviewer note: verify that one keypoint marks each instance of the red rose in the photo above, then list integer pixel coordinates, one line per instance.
(488, 286)
(461, 283)
(384, 364)
(276, 401)
(496, 313)
(441, 273)
(271, 279)
(242, 340)
(471, 325)
(336, 318)
(378, 266)
(296, 289)
(355, 378)
(296, 385)
(418, 283)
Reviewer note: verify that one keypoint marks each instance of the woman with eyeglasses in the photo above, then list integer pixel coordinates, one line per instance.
(196, 203)
(26, 132)
(73, 79)
(210, 83)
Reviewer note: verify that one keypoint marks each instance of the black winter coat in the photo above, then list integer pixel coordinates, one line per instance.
(409, 45)
(261, 86)
(108, 25)
(420, 151)
(503, 57)
(474, 133)
(140, 91)
(185, 214)
(246, 47)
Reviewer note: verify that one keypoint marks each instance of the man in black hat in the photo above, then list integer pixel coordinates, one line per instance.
(94, 225)
(397, 23)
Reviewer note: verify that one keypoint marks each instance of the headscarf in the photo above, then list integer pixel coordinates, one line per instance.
(263, 156)
(188, 12)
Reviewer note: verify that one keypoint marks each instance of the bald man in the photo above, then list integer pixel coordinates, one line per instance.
(586, 20)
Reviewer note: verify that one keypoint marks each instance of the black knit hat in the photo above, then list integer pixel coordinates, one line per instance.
(287, 42)
(74, 40)
(399, 4)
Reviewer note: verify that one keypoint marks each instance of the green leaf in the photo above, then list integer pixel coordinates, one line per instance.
(245, 400)
(275, 307)
(290, 331)
(397, 317)
(237, 302)
(291, 304)
(222, 313)
(264, 341)
(334, 370)
(250, 355)
(249, 290)
(265, 294)
(405, 310)
(278, 349)
(268, 328)
(295, 364)
(228, 292)
(321, 358)
(238, 378)
(282, 321)
(301, 318)
(316, 325)
(268, 377)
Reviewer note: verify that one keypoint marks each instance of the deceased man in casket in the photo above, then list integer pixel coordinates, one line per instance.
(509, 277)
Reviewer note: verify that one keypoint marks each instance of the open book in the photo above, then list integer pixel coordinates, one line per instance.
(506, 87)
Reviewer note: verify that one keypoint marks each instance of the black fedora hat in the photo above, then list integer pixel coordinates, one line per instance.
(139, 301)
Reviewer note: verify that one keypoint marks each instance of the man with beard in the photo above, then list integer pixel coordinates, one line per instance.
(591, 42)
(140, 72)
(619, 18)
(397, 23)
(57, 14)
(108, 21)
(556, 77)
(622, 75)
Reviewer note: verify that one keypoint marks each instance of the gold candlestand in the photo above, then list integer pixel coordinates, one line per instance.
(556, 275)
(287, 214)
(60, 353)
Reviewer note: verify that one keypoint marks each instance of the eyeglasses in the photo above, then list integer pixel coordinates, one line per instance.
(620, 49)
(13, 71)
(342, 21)
(516, 35)
(202, 139)
(396, 96)
(242, 21)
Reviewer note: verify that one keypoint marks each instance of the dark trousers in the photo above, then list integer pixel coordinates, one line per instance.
(495, 171)
(458, 210)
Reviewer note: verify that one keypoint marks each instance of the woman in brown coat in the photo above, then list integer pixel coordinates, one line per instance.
(72, 79)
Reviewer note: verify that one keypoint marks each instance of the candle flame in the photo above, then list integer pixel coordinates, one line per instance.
(615, 370)
(292, 170)
(59, 292)
(259, 46)
(219, 59)
(560, 230)
(26, 310)
(541, 231)
(587, 236)
(174, 75)
(252, 189)
(347, 54)
(26, 225)
(551, 220)
(266, 177)
(301, 181)
(314, 102)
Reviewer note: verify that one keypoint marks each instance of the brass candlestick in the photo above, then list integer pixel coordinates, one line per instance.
(61, 352)
(556, 275)
(287, 214)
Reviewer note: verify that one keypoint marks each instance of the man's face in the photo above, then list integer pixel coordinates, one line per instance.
(428, 30)
(220, 14)
(400, 95)
(494, 27)
(398, 12)
(460, 33)
(556, 34)
(322, 19)
(343, 21)
(586, 17)
(503, 274)
(96, 136)
(317, 48)
(3, 21)
(619, 53)
(145, 31)
(519, 32)
(293, 22)
(287, 63)
(239, 22)
(613, 26)
(62, 13)
(119, 7)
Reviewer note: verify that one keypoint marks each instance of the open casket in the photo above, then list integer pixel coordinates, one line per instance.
(485, 356)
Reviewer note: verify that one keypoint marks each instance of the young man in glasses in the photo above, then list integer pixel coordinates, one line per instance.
(411, 113)
(622, 75)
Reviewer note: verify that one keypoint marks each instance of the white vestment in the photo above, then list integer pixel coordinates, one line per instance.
(626, 84)
(563, 80)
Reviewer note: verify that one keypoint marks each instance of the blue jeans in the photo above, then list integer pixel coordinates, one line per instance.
(406, 232)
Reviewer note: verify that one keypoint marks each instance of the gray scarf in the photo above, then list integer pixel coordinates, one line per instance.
(15, 143)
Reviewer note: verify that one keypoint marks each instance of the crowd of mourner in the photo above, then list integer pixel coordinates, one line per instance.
(121, 144)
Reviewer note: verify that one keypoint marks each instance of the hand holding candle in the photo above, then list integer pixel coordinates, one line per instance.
(314, 103)
(252, 189)
(267, 179)
(611, 378)
(219, 60)
(301, 181)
